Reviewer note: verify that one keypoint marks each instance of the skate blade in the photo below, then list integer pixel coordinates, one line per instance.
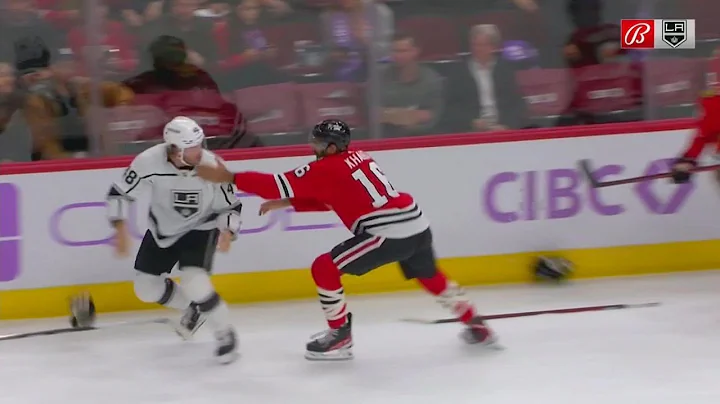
(228, 358)
(184, 333)
(339, 355)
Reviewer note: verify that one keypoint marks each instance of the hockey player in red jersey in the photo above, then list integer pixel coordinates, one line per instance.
(388, 226)
(707, 133)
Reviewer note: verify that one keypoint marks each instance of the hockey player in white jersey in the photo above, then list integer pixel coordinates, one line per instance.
(188, 219)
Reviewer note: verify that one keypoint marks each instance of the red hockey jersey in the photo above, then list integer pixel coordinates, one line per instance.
(708, 125)
(349, 183)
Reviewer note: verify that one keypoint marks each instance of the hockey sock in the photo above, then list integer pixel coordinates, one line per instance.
(160, 290)
(332, 297)
(449, 295)
(198, 287)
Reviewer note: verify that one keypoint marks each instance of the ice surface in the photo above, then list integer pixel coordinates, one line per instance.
(659, 355)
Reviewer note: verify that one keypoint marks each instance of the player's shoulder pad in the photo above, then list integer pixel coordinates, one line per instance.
(153, 157)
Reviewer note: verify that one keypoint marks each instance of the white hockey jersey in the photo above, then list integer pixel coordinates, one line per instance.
(180, 201)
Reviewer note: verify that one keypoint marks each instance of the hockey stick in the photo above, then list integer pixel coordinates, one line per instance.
(584, 166)
(70, 330)
(537, 313)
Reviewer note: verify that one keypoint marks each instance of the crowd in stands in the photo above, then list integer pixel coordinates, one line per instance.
(81, 77)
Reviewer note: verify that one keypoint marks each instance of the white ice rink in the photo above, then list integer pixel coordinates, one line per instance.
(669, 354)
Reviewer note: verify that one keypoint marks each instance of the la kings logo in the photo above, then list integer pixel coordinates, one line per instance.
(186, 203)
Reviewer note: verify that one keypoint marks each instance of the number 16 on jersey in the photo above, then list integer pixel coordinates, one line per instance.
(379, 196)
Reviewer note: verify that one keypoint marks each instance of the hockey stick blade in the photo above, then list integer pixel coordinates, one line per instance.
(584, 166)
(537, 313)
(69, 330)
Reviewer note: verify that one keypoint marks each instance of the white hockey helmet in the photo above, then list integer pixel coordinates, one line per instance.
(183, 133)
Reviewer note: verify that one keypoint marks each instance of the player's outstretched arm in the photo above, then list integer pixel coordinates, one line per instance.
(300, 205)
(229, 208)
(121, 195)
(302, 183)
(214, 173)
(705, 132)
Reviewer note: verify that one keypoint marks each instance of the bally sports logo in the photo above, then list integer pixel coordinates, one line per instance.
(657, 34)
(9, 232)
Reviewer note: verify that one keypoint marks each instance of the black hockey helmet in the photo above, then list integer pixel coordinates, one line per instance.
(331, 131)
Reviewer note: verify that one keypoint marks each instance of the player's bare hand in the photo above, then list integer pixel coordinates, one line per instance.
(122, 241)
(274, 205)
(224, 241)
(218, 173)
(480, 124)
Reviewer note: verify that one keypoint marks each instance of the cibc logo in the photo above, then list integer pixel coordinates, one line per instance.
(10, 240)
(562, 193)
(63, 231)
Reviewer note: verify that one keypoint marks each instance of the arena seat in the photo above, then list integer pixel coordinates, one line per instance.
(321, 101)
(270, 109)
(547, 91)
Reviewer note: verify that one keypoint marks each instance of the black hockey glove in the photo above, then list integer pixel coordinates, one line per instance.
(680, 172)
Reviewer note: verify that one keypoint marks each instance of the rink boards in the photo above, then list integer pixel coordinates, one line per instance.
(495, 203)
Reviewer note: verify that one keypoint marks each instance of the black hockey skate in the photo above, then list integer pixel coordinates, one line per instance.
(477, 332)
(190, 322)
(227, 346)
(332, 344)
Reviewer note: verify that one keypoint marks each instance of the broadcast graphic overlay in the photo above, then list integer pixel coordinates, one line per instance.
(658, 34)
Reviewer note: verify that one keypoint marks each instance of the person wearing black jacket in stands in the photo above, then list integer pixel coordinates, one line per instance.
(483, 94)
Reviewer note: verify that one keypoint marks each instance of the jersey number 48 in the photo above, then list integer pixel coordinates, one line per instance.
(379, 197)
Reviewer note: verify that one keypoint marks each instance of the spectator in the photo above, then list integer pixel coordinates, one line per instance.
(129, 11)
(190, 91)
(20, 19)
(277, 7)
(592, 42)
(196, 32)
(250, 54)
(412, 94)
(483, 94)
(54, 12)
(53, 101)
(348, 33)
(15, 141)
(351, 26)
(118, 45)
(154, 9)
(172, 70)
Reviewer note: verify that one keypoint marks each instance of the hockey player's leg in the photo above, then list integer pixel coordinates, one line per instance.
(159, 289)
(198, 287)
(422, 266)
(336, 342)
(152, 263)
(197, 250)
(452, 297)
